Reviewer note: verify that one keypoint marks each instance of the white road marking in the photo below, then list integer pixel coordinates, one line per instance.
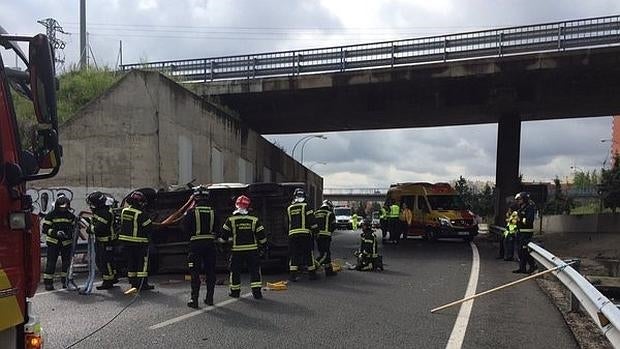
(460, 326)
(197, 312)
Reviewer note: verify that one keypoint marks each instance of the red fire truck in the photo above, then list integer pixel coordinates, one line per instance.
(19, 228)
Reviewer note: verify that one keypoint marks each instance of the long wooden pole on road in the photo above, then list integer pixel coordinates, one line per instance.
(498, 288)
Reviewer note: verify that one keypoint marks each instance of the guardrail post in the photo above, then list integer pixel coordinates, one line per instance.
(392, 56)
(254, 60)
(211, 69)
(560, 32)
(445, 48)
(574, 302)
(247, 67)
(342, 59)
(298, 64)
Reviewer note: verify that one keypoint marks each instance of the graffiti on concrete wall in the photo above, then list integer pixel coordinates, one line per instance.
(43, 198)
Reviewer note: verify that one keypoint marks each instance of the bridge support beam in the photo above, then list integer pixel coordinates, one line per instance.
(507, 182)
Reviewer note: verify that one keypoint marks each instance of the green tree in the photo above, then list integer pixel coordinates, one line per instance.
(559, 203)
(609, 189)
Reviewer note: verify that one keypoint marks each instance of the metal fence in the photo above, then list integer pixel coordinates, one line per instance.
(604, 312)
(557, 36)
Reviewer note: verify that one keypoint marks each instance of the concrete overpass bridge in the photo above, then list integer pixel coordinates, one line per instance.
(504, 76)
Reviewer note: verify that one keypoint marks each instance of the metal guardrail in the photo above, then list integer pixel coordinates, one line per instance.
(556, 36)
(604, 313)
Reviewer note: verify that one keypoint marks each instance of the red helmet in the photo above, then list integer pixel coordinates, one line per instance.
(243, 202)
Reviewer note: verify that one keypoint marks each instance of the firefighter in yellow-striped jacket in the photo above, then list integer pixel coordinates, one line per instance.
(301, 229)
(102, 225)
(134, 235)
(326, 221)
(247, 235)
(59, 227)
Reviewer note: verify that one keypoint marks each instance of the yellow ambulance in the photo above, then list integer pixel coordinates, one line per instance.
(438, 210)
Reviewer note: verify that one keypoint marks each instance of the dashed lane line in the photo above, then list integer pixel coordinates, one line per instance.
(197, 312)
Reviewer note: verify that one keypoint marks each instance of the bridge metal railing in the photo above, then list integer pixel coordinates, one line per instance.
(355, 191)
(604, 312)
(556, 36)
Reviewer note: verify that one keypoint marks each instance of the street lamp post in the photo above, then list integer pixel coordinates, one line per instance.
(305, 138)
(304, 144)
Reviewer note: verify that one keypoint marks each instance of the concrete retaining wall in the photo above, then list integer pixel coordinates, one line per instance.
(595, 223)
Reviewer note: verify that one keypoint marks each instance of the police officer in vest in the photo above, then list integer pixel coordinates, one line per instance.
(301, 228)
(525, 229)
(198, 223)
(247, 235)
(326, 221)
(383, 222)
(394, 222)
(134, 234)
(59, 226)
(102, 226)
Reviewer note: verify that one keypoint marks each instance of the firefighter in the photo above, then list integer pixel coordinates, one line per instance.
(368, 258)
(405, 217)
(102, 226)
(198, 223)
(394, 223)
(301, 228)
(134, 234)
(248, 236)
(354, 221)
(525, 229)
(383, 222)
(59, 226)
(326, 221)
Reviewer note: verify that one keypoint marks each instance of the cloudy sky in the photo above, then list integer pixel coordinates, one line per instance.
(163, 29)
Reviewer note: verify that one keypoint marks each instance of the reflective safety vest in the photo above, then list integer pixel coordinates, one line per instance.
(394, 211)
(57, 221)
(300, 219)
(101, 224)
(203, 221)
(135, 226)
(325, 221)
(382, 213)
(246, 232)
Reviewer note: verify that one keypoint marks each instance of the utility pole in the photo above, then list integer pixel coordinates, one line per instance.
(83, 51)
(51, 28)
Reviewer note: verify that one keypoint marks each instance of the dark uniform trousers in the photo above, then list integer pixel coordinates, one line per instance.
(201, 258)
(394, 227)
(323, 243)
(301, 246)
(524, 255)
(137, 263)
(54, 250)
(240, 259)
(104, 256)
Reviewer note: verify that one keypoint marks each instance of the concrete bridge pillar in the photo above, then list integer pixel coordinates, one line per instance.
(507, 182)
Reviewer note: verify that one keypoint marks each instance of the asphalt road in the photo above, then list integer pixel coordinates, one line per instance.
(353, 309)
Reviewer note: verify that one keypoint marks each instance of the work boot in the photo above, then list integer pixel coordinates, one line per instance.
(293, 276)
(329, 271)
(209, 297)
(115, 281)
(193, 303)
(519, 271)
(64, 282)
(49, 285)
(234, 293)
(257, 293)
(312, 275)
(532, 269)
(106, 285)
(147, 287)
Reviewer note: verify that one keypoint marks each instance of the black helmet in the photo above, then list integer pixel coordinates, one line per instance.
(201, 193)
(328, 205)
(62, 202)
(96, 199)
(136, 198)
(367, 223)
(299, 195)
(523, 196)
